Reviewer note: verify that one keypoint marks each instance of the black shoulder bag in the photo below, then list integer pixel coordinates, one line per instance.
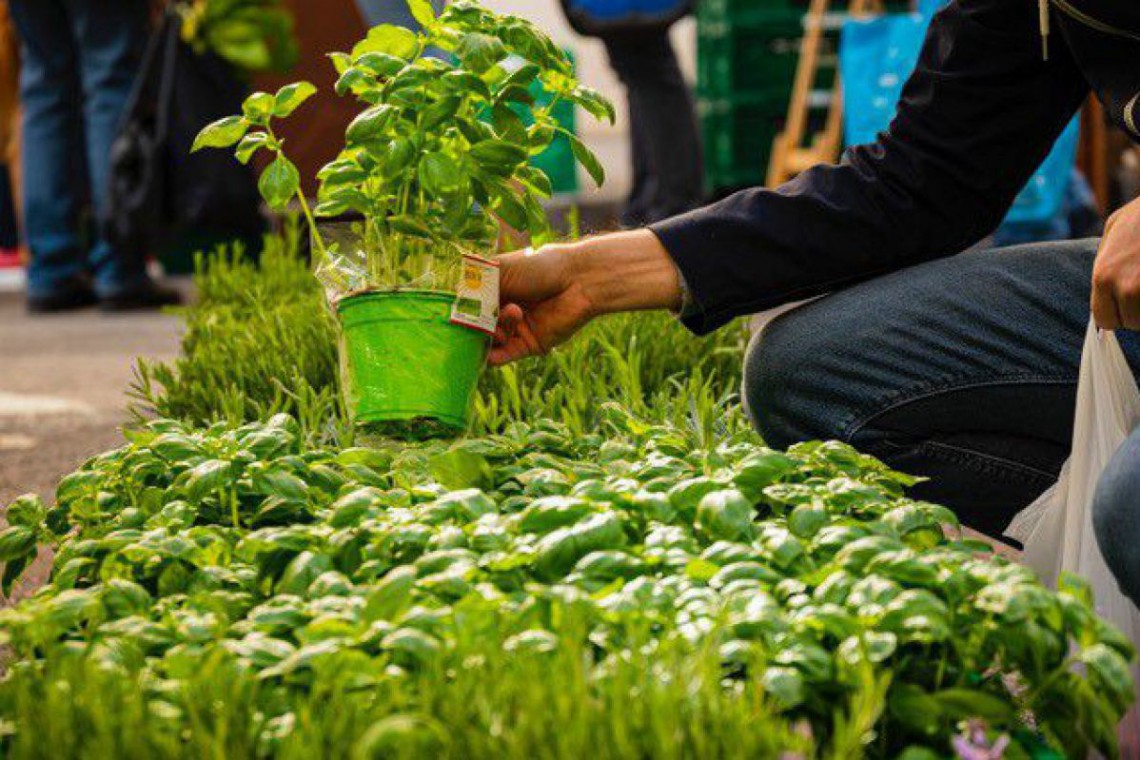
(158, 192)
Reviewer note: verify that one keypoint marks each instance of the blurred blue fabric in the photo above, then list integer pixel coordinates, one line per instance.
(877, 56)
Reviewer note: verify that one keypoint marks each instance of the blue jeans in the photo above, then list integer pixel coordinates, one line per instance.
(1116, 516)
(665, 141)
(79, 61)
(963, 370)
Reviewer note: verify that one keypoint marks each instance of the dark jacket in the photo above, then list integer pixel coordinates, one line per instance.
(976, 118)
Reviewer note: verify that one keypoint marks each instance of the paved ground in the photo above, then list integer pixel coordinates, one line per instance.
(62, 387)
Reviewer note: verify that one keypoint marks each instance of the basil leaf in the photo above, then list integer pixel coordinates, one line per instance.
(221, 134)
(588, 160)
(422, 12)
(726, 515)
(290, 97)
(279, 183)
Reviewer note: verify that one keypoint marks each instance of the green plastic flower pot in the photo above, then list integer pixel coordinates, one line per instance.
(406, 367)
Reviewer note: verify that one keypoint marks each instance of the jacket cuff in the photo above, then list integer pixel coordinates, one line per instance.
(687, 246)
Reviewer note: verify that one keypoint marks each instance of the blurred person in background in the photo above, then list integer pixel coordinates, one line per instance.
(79, 59)
(665, 142)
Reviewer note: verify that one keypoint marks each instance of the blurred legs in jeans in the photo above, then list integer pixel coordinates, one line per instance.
(668, 171)
(79, 60)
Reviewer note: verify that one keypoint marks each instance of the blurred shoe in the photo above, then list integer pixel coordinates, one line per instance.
(9, 258)
(73, 294)
(145, 296)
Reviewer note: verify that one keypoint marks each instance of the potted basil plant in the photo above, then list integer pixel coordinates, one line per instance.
(433, 167)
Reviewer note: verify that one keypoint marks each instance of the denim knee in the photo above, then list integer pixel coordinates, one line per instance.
(777, 374)
(1116, 516)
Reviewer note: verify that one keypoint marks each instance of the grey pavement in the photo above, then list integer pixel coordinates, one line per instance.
(63, 382)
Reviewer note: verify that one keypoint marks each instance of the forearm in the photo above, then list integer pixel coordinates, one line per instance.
(625, 271)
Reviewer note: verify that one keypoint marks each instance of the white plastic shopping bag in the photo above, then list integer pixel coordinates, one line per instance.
(1057, 529)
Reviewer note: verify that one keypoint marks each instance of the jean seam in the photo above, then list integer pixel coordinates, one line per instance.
(855, 423)
(988, 462)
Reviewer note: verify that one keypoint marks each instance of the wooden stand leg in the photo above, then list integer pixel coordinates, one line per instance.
(1092, 158)
(790, 156)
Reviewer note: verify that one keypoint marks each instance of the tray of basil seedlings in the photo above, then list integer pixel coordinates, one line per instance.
(436, 162)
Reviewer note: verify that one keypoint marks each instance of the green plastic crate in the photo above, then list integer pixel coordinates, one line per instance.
(755, 56)
(780, 22)
(734, 10)
(744, 63)
(557, 160)
(737, 136)
(730, 10)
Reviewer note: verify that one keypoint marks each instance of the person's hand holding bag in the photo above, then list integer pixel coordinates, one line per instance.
(1116, 274)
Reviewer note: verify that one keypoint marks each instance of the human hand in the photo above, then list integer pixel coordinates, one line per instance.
(1116, 274)
(542, 305)
(548, 295)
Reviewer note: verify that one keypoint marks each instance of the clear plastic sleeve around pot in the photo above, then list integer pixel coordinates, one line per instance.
(348, 260)
(407, 370)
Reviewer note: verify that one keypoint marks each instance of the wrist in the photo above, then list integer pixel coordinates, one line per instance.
(625, 271)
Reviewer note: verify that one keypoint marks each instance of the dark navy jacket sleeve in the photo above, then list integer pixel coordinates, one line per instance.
(976, 118)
